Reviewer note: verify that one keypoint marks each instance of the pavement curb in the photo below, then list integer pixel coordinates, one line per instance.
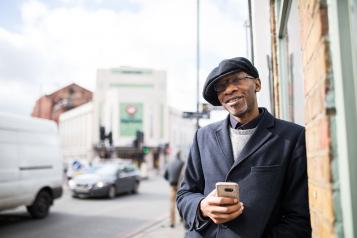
(145, 227)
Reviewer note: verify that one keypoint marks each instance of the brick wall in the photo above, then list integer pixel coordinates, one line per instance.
(43, 108)
(315, 48)
(275, 75)
(53, 105)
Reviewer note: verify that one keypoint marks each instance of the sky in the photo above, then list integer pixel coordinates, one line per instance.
(48, 44)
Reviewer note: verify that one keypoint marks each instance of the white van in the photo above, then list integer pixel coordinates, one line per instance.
(31, 167)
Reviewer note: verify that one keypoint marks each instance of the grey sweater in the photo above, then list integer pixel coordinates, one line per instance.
(239, 139)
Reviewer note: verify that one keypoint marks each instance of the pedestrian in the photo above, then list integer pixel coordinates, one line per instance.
(172, 174)
(156, 159)
(264, 155)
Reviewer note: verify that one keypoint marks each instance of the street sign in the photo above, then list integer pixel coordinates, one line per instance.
(192, 115)
(76, 165)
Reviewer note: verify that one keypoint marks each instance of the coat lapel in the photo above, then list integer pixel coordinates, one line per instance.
(261, 135)
(224, 141)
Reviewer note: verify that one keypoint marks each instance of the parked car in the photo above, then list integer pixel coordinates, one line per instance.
(107, 180)
(31, 169)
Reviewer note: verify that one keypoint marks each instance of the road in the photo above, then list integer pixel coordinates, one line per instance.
(70, 217)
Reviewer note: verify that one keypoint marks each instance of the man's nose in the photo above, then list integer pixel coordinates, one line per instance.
(230, 88)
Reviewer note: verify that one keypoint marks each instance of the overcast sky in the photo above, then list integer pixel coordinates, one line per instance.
(47, 44)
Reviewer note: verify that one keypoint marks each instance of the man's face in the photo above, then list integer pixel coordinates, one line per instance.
(237, 94)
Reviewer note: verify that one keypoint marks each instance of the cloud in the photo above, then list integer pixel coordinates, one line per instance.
(18, 97)
(67, 42)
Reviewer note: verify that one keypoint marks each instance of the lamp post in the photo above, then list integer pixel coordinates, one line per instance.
(198, 65)
(251, 31)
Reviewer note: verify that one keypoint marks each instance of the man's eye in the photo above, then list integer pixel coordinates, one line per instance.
(221, 85)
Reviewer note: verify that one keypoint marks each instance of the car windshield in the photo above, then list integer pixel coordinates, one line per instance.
(107, 170)
(92, 169)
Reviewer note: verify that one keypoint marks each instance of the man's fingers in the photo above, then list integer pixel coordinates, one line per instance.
(221, 201)
(220, 209)
(219, 218)
(226, 209)
(238, 213)
(227, 215)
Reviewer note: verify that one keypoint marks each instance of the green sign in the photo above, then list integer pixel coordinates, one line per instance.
(130, 71)
(128, 85)
(131, 118)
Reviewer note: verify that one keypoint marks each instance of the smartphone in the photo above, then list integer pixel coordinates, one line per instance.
(227, 189)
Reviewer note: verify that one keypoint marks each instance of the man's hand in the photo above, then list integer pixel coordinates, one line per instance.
(220, 209)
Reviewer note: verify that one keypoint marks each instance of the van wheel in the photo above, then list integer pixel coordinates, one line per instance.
(41, 206)
(112, 192)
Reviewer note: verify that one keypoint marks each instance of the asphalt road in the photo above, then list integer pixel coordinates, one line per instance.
(70, 217)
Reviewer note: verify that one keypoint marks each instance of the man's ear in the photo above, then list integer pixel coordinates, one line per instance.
(258, 85)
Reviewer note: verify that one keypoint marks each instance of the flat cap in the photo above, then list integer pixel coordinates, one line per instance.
(226, 67)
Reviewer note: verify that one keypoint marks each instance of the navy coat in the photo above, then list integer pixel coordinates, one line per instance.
(271, 173)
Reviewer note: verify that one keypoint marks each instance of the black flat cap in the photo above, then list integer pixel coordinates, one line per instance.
(226, 67)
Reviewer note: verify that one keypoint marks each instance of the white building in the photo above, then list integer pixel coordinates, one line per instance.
(181, 132)
(128, 100)
(76, 131)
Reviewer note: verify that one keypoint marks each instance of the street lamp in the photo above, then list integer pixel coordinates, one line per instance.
(251, 31)
(198, 65)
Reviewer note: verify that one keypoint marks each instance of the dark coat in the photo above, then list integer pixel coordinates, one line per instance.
(173, 171)
(271, 173)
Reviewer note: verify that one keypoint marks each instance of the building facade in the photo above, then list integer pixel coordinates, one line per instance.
(76, 130)
(314, 78)
(128, 100)
(53, 105)
(181, 133)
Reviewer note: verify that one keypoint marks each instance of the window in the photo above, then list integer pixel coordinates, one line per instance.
(295, 84)
(342, 25)
(290, 63)
(353, 20)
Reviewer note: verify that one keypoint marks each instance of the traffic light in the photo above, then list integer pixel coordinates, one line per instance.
(146, 150)
(110, 138)
(102, 133)
(139, 139)
(103, 136)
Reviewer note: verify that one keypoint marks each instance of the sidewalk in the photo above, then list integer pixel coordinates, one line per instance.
(160, 229)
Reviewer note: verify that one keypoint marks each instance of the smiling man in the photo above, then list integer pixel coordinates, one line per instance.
(264, 155)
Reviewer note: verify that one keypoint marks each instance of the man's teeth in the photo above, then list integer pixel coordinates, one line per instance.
(233, 99)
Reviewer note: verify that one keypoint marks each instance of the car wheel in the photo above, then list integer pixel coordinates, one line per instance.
(41, 206)
(112, 192)
(136, 187)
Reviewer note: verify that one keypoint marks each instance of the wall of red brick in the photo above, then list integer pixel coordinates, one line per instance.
(43, 108)
(275, 74)
(53, 105)
(315, 48)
